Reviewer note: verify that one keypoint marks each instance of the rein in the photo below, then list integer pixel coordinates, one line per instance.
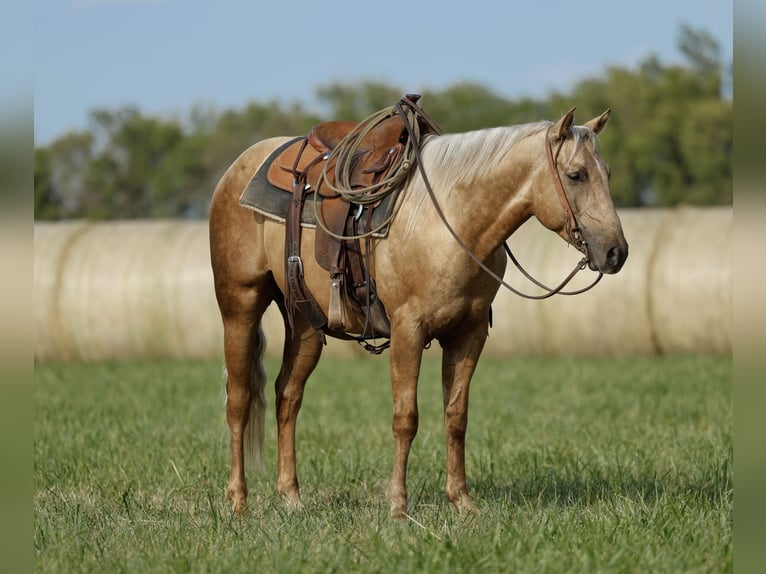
(573, 230)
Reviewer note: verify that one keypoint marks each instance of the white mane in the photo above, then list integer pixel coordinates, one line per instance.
(453, 159)
(450, 159)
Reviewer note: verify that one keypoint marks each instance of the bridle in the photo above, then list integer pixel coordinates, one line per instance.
(573, 230)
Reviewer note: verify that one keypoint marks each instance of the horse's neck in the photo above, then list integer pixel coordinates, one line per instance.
(486, 206)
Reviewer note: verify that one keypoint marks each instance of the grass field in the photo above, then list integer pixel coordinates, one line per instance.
(579, 465)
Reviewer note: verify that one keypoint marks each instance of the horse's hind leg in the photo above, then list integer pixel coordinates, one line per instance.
(301, 354)
(244, 344)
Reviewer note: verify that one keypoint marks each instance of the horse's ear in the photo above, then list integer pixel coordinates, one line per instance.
(561, 128)
(598, 124)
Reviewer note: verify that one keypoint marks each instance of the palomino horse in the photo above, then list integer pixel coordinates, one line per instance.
(486, 184)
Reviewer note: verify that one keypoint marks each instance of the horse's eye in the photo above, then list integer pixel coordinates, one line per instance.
(575, 176)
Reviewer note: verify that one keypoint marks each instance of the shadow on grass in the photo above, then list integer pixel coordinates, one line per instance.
(710, 486)
(713, 486)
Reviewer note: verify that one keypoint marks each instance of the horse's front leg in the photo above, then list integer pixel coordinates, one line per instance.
(406, 354)
(461, 353)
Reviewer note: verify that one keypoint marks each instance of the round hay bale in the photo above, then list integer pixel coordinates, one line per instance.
(124, 290)
(690, 282)
(51, 254)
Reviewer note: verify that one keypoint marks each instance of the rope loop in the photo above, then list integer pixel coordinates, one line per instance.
(342, 158)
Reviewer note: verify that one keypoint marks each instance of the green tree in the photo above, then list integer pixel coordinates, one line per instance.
(61, 176)
(47, 202)
(467, 106)
(132, 147)
(703, 53)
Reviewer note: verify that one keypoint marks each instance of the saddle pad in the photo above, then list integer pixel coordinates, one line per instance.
(263, 197)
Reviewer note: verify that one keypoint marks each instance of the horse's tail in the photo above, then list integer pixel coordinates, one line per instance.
(256, 385)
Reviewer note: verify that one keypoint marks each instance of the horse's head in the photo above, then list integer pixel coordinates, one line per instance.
(585, 215)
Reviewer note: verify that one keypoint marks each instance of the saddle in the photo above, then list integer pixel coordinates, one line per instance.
(309, 165)
(376, 153)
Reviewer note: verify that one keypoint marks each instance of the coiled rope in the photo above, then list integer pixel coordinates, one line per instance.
(343, 156)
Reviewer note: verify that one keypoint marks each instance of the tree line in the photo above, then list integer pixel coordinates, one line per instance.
(669, 140)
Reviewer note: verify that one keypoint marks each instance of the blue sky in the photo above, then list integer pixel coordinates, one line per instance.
(166, 55)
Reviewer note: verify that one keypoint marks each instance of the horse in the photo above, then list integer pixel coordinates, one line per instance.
(483, 185)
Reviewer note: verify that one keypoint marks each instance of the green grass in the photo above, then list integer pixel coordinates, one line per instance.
(579, 465)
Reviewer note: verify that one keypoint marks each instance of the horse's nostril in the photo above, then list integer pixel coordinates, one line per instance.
(614, 256)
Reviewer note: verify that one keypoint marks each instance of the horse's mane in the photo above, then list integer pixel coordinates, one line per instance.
(452, 159)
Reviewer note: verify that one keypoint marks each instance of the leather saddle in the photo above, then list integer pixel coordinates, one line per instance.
(377, 152)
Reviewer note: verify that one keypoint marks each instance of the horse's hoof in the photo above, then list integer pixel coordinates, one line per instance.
(470, 510)
(237, 498)
(398, 510)
(466, 507)
(397, 497)
(238, 504)
(292, 503)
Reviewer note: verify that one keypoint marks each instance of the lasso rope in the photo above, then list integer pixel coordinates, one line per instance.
(344, 153)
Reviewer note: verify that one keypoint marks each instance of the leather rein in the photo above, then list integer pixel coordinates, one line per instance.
(573, 230)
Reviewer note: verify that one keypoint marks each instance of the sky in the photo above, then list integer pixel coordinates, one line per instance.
(165, 56)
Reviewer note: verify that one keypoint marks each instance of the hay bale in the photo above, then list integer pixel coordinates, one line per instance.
(123, 290)
(690, 282)
(51, 255)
